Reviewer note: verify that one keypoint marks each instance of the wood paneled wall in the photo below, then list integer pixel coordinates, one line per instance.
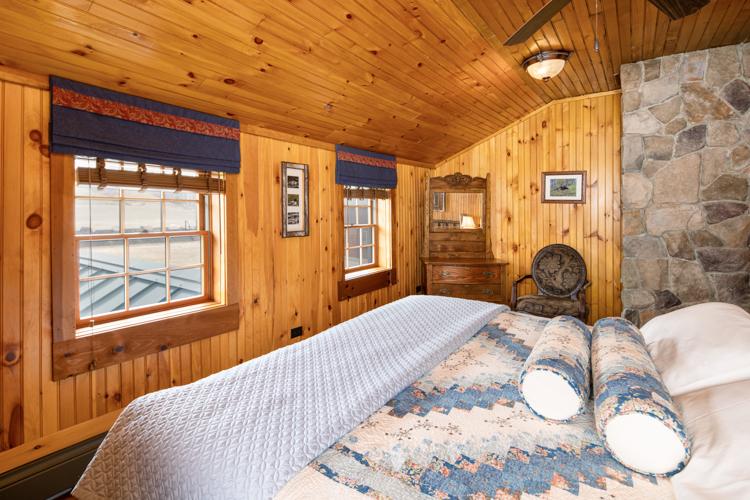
(284, 282)
(582, 133)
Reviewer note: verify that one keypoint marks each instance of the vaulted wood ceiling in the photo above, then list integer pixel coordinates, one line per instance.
(418, 78)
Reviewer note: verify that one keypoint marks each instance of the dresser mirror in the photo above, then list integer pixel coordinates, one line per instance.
(453, 211)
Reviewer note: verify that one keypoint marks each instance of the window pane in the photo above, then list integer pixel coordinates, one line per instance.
(352, 237)
(147, 289)
(367, 235)
(99, 257)
(134, 192)
(142, 216)
(104, 218)
(363, 215)
(95, 191)
(185, 251)
(186, 283)
(352, 258)
(102, 296)
(349, 216)
(182, 216)
(146, 253)
(367, 255)
(181, 195)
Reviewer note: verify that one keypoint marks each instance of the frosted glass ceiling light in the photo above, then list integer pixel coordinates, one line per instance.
(546, 65)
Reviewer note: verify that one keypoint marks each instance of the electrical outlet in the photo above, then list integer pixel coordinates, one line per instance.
(296, 332)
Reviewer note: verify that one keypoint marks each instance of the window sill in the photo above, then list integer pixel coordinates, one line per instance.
(364, 272)
(143, 319)
(119, 341)
(361, 282)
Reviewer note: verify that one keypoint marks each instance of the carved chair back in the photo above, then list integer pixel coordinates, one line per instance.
(558, 270)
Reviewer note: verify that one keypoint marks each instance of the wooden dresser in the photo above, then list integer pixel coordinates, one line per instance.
(457, 245)
(477, 279)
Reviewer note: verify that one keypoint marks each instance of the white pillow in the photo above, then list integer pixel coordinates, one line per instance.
(700, 346)
(716, 420)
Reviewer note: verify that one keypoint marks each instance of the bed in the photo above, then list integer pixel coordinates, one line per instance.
(416, 399)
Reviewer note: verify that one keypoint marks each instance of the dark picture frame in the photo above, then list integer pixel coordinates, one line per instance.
(294, 200)
(564, 187)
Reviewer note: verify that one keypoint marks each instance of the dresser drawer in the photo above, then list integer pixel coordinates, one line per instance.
(489, 293)
(466, 274)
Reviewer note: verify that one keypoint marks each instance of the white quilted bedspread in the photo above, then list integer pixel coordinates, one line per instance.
(244, 432)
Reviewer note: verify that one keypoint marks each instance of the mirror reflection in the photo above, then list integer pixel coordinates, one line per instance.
(457, 211)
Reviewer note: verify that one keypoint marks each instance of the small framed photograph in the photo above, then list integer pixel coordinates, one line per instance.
(564, 187)
(294, 201)
(438, 202)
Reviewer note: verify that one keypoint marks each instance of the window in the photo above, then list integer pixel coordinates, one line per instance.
(360, 242)
(141, 258)
(368, 240)
(139, 249)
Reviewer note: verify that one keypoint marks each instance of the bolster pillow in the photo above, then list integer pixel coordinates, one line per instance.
(634, 413)
(555, 381)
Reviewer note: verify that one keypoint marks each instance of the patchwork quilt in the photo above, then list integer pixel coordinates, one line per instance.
(463, 431)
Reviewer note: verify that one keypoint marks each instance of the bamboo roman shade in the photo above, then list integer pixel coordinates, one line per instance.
(353, 192)
(107, 173)
(365, 169)
(95, 122)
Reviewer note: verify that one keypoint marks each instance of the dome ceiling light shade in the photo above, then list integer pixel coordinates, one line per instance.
(546, 65)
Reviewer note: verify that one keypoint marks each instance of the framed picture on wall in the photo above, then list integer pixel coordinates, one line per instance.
(564, 187)
(294, 193)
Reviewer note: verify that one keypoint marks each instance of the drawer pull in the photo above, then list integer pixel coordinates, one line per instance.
(489, 274)
(445, 274)
(488, 292)
(444, 291)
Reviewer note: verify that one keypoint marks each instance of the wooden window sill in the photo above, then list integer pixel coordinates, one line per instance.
(361, 282)
(353, 275)
(112, 343)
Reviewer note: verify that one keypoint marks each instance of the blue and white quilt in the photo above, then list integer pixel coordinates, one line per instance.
(463, 431)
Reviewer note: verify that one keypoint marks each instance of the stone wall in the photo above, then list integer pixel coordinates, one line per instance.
(686, 167)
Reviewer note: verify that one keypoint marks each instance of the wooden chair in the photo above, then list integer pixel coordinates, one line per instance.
(559, 273)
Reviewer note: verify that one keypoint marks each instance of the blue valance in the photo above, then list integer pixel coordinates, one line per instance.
(357, 167)
(93, 121)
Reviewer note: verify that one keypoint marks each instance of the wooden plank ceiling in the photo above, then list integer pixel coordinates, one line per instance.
(421, 79)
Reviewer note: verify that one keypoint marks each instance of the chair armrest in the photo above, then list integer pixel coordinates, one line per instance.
(580, 291)
(514, 291)
(516, 282)
(580, 297)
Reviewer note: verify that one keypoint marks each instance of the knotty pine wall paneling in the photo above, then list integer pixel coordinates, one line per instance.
(575, 134)
(285, 282)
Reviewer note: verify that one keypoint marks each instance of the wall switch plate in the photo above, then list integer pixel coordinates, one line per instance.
(296, 332)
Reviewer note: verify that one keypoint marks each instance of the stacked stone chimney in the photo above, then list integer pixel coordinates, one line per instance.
(686, 167)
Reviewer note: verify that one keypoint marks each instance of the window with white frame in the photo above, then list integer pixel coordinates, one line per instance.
(360, 238)
(141, 246)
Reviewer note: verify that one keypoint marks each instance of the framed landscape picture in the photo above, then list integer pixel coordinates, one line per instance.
(564, 187)
(294, 193)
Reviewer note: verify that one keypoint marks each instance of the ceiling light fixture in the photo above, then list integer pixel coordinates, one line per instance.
(546, 65)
